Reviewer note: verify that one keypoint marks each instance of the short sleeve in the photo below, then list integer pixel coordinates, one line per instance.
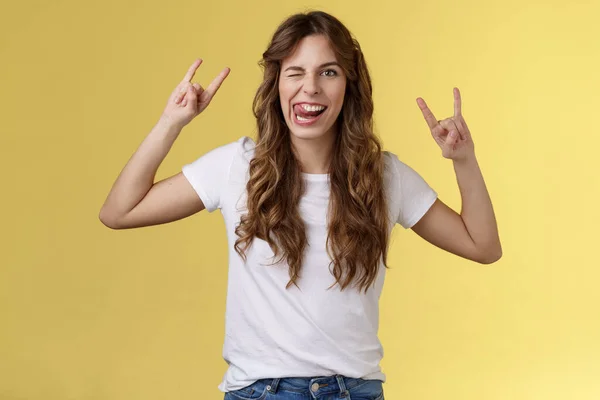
(209, 174)
(413, 196)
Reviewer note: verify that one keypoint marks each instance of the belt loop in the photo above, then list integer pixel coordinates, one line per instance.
(272, 388)
(340, 380)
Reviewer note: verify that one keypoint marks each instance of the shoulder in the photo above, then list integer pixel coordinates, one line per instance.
(240, 147)
(219, 161)
(397, 168)
(401, 176)
(245, 147)
(243, 153)
(411, 195)
(394, 165)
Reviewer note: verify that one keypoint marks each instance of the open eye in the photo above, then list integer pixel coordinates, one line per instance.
(331, 70)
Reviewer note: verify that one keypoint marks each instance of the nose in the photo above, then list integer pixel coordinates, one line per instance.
(311, 84)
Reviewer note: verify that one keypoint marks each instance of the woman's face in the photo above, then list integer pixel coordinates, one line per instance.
(310, 80)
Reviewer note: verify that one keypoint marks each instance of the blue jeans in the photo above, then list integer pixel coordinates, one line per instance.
(322, 388)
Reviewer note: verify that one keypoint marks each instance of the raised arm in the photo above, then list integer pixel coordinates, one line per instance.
(135, 200)
(473, 233)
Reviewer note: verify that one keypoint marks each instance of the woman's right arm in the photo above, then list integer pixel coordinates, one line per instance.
(135, 200)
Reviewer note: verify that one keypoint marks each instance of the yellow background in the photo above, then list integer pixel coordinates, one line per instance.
(92, 313)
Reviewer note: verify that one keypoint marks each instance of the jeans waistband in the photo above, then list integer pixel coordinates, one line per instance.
(317, 385)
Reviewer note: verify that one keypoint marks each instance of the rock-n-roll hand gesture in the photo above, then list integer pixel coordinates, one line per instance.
(189, 99)
(451, 134)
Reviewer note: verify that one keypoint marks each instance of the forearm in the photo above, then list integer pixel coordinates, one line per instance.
(137, 177)
(477, 211)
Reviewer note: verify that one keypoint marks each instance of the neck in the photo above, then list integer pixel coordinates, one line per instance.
(314, 155)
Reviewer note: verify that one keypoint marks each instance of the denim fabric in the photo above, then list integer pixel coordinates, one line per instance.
(320, 388)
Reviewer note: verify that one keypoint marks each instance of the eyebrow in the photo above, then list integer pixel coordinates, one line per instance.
(327, 64)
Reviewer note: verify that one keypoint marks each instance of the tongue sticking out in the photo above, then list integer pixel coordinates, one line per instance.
(306, 114)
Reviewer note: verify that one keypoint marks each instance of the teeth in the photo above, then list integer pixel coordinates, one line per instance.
(308, 107)
(299, 118)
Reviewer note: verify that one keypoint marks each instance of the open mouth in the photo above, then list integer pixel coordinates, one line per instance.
(307, 114)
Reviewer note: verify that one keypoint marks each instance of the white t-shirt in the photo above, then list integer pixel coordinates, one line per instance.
(274, 332)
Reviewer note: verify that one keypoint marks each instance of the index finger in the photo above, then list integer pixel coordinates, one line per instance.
(192, 70)
(429, 117)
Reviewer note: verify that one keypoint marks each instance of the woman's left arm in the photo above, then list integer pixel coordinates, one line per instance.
(473, 233)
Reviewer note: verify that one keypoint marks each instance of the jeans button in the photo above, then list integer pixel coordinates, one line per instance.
(315, 387)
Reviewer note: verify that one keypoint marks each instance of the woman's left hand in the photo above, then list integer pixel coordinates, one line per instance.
(451, 134)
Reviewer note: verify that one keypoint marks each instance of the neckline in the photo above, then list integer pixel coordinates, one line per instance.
(315, 177)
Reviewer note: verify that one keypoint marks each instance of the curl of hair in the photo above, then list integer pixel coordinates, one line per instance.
(358, 235)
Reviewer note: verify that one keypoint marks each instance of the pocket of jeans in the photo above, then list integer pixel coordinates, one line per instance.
(255, 391)
(370, 389)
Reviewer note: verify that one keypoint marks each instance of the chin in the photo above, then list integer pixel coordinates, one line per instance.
(307, 134)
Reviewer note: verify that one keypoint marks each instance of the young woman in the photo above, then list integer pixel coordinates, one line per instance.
(309, 207)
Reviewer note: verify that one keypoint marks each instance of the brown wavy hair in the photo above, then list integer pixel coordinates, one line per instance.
(358, 215)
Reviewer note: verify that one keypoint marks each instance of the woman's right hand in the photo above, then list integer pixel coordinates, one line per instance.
(189, 99)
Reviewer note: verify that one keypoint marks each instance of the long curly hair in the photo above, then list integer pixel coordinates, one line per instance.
(357, 238)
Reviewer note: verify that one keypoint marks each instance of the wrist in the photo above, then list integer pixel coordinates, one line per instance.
(167, 127)
(467, 161)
